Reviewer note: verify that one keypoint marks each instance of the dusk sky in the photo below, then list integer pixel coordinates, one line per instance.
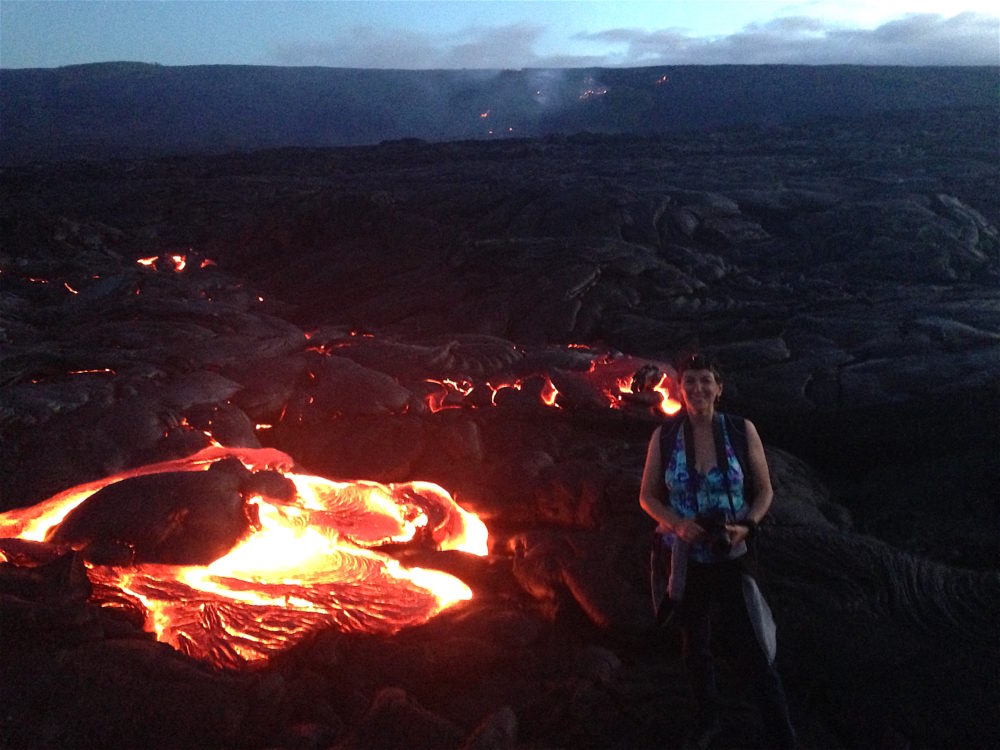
(487, 34)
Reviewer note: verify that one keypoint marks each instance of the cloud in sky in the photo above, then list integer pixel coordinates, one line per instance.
(915, 39)
(508, 34)
(506, 46)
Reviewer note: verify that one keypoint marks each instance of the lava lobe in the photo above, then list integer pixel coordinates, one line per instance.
(175, 518)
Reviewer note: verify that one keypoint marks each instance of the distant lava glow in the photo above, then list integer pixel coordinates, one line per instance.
(310, 562)
(592, 90)
(175, 262)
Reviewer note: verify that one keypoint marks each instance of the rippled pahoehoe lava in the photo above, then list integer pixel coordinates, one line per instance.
(309, 562)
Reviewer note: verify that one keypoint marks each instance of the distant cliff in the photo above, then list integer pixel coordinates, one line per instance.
(111, 110)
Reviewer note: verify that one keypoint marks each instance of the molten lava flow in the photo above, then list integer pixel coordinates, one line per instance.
(550, 393)
(175, 262)
(624, 380)
(616, 381)
(92, 371)
(611, 381)
(668, 405)
(495, 389)
(450, 395)
(310, 562)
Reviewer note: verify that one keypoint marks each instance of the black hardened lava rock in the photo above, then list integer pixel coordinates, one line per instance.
(401, 312)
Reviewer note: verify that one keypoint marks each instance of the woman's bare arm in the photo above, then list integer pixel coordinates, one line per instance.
(653, 495)
(760, 495)
(763, 493)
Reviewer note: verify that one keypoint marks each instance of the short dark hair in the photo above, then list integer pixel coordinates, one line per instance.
(699, 361)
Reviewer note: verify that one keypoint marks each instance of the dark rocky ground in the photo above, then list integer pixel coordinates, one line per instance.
(845, 272)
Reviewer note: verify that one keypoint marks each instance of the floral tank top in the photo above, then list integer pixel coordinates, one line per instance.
(693, 493)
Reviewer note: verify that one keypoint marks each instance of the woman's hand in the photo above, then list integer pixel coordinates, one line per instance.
(737, 533)
(689, 530)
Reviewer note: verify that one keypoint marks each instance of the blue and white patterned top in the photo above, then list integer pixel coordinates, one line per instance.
(692, 493)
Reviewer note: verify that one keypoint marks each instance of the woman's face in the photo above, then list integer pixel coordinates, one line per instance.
(700, 390)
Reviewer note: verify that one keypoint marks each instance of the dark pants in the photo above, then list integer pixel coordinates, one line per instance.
(713, 605)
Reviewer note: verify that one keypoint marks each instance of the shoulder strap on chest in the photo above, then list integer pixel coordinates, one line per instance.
(721, 459)
(668, 436)
(736, 427)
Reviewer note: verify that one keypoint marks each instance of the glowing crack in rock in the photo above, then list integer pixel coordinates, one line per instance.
(308, 563)
(616, 381)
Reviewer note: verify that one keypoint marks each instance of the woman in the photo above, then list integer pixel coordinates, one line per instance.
(694, 486)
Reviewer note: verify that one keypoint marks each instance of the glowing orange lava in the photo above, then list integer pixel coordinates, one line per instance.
(550, 393)
(495, 389)
(616, 381)
(311, 562)
(450, 395)
(175, 262)
(668, 405)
